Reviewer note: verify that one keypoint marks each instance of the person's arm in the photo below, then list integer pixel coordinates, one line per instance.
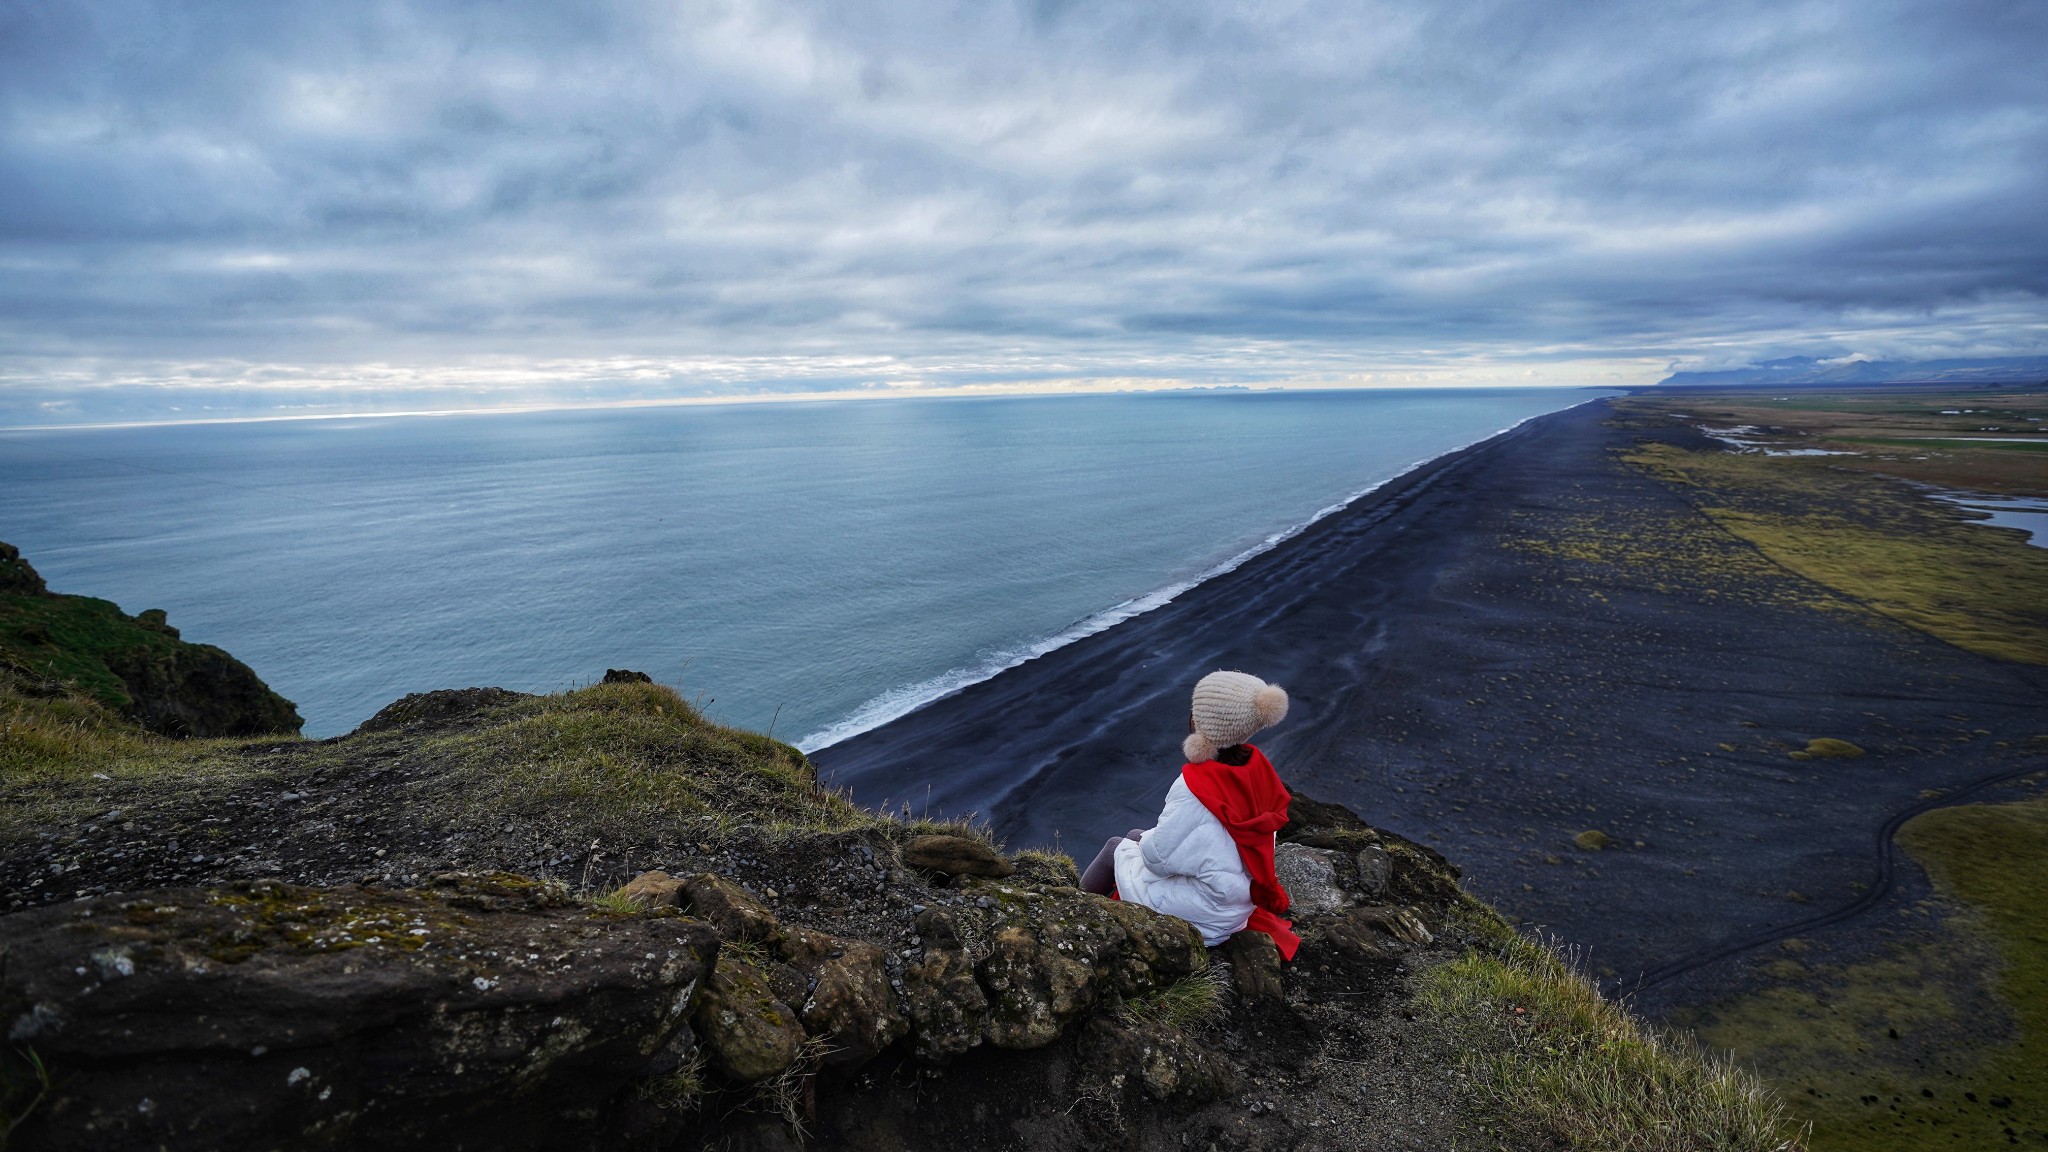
(1167, 848)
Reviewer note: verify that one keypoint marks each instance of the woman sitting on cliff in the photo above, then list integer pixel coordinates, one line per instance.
(1210, 860)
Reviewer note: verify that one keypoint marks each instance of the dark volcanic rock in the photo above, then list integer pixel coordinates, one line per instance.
(849, 1003)
(1254, 966)
(485, 1013)
(17, 575)
(198, 690)
(750, 1033)
(448, 707)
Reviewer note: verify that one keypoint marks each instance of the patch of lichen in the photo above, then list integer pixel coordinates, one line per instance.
(1878, 541)
(1937, 1041)
(317, 920)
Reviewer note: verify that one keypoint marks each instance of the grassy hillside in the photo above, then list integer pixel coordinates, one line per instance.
(137, 666)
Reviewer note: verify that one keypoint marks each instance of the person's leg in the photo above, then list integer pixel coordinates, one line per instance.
(1100, 878)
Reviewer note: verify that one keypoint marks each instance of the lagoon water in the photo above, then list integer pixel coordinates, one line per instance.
(821, 567)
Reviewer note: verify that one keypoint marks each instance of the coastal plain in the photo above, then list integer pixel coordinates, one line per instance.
(1665, 697)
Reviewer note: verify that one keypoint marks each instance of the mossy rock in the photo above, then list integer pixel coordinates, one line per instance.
(482, 1012)
(956, 856)
(1829, 748)
(17, 575)
(850, 1004)
(731, 909)
(1592, 840)
(750, 1034)
(946, 1004)
(1169, 1065)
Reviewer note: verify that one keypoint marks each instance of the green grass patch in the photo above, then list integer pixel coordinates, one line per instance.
(611, 763)
(1937, 1043)
(626, 762)
(1877, 541)
(60, 749)
(1555, 1065)
(69, 639)
(1947, 443)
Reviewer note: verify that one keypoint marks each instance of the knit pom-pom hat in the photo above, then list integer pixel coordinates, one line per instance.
(1229, 707)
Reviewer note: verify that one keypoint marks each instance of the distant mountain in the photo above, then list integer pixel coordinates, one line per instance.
(1808, 370)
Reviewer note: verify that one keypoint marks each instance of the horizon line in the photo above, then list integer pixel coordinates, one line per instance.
(955, 393)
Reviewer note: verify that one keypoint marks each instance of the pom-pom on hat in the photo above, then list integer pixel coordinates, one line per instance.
(1229, 707)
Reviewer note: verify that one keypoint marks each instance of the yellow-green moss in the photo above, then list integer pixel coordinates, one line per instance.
(1829, 748)
(1554, 1064)
(1877, 541)
(1937, 1043)
(608, 762)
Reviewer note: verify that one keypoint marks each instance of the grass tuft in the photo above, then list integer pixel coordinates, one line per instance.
(679, 1091)
(1192, 1001)
(617, 903)
(789, 1093)
(1557, 1064)
(24, 1085)
(1045, 866)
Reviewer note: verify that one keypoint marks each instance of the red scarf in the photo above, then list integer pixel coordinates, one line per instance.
(1252, 804)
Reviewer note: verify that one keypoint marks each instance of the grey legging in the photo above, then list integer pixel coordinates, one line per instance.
(1100, 878)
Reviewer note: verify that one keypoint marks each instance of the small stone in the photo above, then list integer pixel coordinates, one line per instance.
(1375, 868)
(1254, 966)
(1310, 877)
(656, 889)
(956, 856)
(750, 1034)
(736, 915)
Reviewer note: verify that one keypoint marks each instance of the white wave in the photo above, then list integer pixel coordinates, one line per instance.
(909, 698)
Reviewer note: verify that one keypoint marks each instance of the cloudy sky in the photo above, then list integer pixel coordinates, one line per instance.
(209, 207)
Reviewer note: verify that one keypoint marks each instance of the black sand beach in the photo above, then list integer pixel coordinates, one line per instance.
(1515, 644)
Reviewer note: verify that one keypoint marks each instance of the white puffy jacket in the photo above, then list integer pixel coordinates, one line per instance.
(1187, 867)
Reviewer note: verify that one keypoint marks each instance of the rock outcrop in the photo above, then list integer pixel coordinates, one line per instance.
(373, 942)
(138, 666)
(482, 1012)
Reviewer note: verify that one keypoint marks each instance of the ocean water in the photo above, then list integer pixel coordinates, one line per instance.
(818, 567)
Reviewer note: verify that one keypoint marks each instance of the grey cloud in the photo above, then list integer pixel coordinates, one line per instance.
(1107, 189)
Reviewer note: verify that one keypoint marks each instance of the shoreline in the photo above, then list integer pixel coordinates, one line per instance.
(1521, 641)
(980, 716)
(890, 706)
